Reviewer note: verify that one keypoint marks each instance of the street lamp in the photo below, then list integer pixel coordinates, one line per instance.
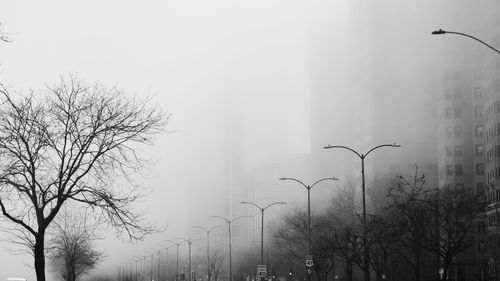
(208, 242)
(158, 265)
(440, 32)
(230, 239)
(176, 244)
(262, 225)
(366, 269)
(166, 262)
(308, 187)
(189, 241)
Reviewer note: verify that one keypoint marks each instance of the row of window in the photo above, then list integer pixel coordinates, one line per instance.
(454, 169)
(458, 150)
(457, 94)
(454, 131)
(493, 153)
(493, 174)
(492, 131)
(493, 108)
(455, 113)
(458, 170)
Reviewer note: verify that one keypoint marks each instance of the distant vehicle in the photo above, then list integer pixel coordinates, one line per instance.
(16, 279)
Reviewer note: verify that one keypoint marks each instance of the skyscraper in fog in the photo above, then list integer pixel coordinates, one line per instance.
(468, 96)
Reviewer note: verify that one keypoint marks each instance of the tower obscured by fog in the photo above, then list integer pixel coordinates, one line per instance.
(385, 93)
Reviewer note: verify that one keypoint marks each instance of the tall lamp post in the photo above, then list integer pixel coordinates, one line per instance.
(366, 260)
(230, 239)
(262, 224)
(158, 264)
(208, 242)
(189, 241)
(440, 32)
(177, 244)
(309, 187)
(166, 262)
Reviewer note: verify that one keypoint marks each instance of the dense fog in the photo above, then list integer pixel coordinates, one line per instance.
(256, 89)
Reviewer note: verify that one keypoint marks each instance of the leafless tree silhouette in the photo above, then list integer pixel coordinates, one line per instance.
(70, 249)
(72, 142)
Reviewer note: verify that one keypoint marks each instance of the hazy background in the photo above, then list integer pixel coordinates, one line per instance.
(299, 75)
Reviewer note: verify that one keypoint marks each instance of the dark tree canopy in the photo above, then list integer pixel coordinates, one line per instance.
(72, 142)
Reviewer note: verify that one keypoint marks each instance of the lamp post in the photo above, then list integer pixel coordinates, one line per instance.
(189, 241)
(158, 264)
(166, 262)
(230, 239)
(208, 243)
(176, 244)
(136, 274)
(366, 269)
(262, 224)
(309, 187)
(440, 32)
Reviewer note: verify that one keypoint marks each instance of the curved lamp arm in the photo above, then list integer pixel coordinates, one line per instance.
(223, 218)
(251, 203)
(440, 31)
(382, 145)
(344, 147)
(275, 203)
(292, 179)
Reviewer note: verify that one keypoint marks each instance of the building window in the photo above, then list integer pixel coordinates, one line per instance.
(479, 150)
(458, 150)
(449, 132)
(479, 188)
(478, 111)
(479, 131)
(457, 94)
(449, 170)
(480, 169)
(477, 93)
(449, 150)
(456, 75)
(448, 113)
(457, 112)
(457, 131)
(459, 170)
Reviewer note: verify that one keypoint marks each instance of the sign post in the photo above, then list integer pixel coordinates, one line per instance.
(309, 264)
(262, 271)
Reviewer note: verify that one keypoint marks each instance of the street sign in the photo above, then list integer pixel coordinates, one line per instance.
(309, 271)
(261, 270)
(309, 261)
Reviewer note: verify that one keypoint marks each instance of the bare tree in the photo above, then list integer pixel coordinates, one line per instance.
(408, 204)
(70, 250)
(73, 142)
(4, 36)
(214, 265)
(455, 216)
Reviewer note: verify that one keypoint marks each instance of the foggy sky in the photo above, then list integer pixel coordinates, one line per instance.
(190, 56)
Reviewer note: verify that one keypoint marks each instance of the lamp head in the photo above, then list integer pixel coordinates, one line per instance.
(396, 145)
(438, 32)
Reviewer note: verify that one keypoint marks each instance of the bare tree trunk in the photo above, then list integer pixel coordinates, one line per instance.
(40, 255)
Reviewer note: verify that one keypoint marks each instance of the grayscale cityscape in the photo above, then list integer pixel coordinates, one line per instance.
(263, 140)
